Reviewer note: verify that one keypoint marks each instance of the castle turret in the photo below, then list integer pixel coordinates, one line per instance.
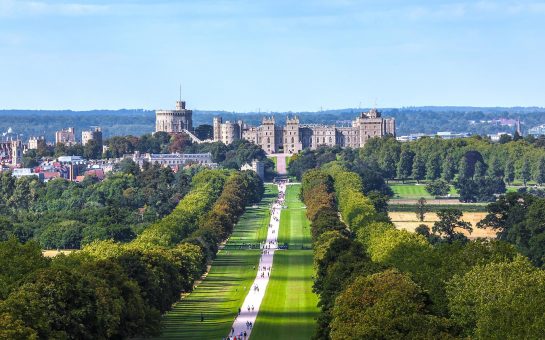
(173, 121)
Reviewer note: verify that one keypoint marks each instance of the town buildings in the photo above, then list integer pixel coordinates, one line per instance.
(173, 121)
(295, 136)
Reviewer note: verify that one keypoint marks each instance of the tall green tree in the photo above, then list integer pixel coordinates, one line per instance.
(525, 171)
(419, 168)
(539, 173)
(449, 169)
(509, 171)
(405, 164)
(433, 167)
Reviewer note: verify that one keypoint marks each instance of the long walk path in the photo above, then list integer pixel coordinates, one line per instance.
(208, 312)
(250, 307)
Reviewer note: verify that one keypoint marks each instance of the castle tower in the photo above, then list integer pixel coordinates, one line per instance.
(292, 138)
(16, 152)
(217, 128)
(173, 121)
(268, 135)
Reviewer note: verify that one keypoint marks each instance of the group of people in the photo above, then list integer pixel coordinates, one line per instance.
(264, 267)
(241, 336)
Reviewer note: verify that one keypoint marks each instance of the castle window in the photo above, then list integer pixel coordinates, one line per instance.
(268, 139)
(292, 139)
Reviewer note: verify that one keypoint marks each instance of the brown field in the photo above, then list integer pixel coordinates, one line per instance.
(408, 221)
(53, 253)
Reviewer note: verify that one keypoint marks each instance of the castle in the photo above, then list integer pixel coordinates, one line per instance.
(294, 136)
(290, 138)
(174, 121)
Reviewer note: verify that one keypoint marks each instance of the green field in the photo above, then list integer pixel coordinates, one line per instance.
(415, 191)
(294, 228)
(288, 310)
(227, 284)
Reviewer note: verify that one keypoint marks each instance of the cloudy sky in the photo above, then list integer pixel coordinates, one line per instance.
(270, 55)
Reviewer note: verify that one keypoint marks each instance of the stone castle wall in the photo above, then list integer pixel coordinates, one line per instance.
(294, 136)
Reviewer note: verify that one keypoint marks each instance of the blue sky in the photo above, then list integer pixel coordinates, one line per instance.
(270, 55)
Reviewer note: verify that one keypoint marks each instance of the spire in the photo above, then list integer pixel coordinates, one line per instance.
(180, 91)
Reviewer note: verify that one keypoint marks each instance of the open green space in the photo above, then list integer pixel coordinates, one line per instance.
(224, 289)
(415, 191)
(294, 226)
(289, 309)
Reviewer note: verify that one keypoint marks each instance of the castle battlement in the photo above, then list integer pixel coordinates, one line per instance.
(294, 136)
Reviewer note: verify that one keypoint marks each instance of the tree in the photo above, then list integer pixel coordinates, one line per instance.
(92, 150)
(438, 188)
(449, 220)
(405, 164)
(386, 305)
(433, 167)
(505, 138)
(11, 328)
(204, 131)
(501, 300)
(419, 168)
(449, 169)
(480, 169)
(421, 209)
(496, 169)
(525, 171)
(540, 171)
(509, 171)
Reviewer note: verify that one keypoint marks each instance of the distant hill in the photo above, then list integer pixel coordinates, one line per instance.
(427, 119)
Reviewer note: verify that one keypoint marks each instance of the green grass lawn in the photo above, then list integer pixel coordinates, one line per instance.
(415, 191)
(274, 159)
(288, 310)
(294, 228)
(222, 292)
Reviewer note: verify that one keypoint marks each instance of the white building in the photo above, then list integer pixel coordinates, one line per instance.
(175, 159)
(257, 167)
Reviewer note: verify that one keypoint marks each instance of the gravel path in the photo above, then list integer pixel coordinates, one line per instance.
(250, 307)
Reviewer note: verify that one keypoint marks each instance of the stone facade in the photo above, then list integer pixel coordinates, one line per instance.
(173, 121)
(95, 134)
(66, 136)
(294, 136)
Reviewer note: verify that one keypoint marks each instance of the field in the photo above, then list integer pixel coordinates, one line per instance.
(288, 310)
(415, 191)
(409, 221)
(294, 227)
(225, 287)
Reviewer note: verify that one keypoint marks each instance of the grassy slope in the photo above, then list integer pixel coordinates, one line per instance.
(289, 308)
(222, 292)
